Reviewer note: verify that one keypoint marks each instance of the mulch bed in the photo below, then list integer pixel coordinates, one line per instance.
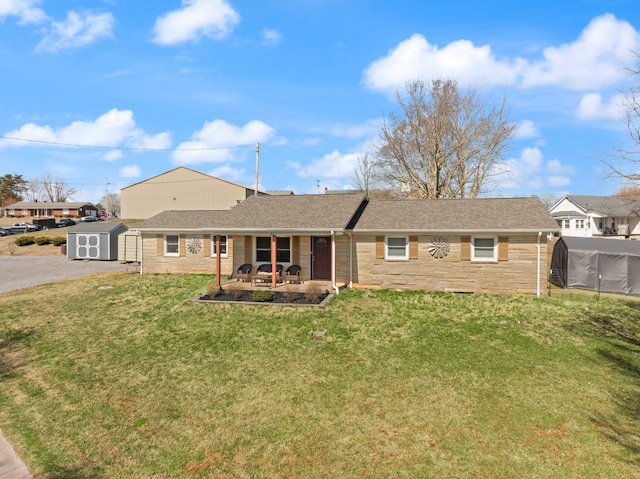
(279, 297)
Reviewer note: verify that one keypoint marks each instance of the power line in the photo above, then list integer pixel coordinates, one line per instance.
(74, 145)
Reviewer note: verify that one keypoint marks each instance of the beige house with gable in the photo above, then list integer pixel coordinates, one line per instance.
(492, 245)
(180, 189)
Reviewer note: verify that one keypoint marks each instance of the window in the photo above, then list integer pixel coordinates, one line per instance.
(484, 249)
(223, 246)
(25, 212)
(171, 245)
(396, 247)
(65, 211)
(567, 224)
(263, 249)
(580, 224)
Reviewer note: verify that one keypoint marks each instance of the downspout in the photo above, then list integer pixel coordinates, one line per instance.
(350, 260)
(218, 265)
(333, 263)
(538, 281)
(141, 250)
(274, 259)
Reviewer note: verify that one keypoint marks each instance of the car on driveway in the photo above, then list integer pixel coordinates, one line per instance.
(65, 222)
(5, 232)
(88, 219)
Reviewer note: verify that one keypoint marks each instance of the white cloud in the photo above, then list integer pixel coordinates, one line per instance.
(591, 107)
(215, 142)
(229, 173)
(369, 128)
(271, 38)
(116, 128)
(26, 11)
(416, 58)
(527, 129)
(131, 171)
(332, 165)
(197, 18)
(531, 172)
(112, 155)
(596, 59)
(77, 30)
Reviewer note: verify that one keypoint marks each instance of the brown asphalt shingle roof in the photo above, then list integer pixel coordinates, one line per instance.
(334, 212)
(271, 213)
(449, 215)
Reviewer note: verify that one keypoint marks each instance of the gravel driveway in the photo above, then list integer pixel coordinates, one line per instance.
(17, 272)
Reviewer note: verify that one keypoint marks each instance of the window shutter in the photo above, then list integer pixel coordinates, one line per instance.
(160, 246)
(183, 246)
(465, 248)
(206, 239)
(413, 247)
(503, 248)
(248, 250)
(379, 247)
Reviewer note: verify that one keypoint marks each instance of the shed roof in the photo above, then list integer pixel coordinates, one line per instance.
(96, 227)
(457, 215)
(602, 245)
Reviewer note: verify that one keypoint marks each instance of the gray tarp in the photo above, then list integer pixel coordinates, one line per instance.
(582, 262)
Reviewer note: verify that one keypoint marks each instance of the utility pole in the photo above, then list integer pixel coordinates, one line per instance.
(257, 166)
(106, 196)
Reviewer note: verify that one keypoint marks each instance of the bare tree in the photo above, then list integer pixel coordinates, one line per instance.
(631, 116)
(110, 202)
(444, 144)
(55, 191)
(364, 175)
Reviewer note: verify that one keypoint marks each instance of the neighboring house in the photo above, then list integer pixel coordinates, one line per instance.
(180, 189)
(587, 216)
(474, 245)
(44, 209)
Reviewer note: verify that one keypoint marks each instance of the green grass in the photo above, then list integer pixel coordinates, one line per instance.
(136, 381)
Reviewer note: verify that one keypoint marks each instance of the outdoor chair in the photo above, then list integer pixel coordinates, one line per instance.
(244, 272)
(263, 274)
(292, 274)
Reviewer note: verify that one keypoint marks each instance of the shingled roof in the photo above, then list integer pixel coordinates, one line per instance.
(457, 215)
(266, 213)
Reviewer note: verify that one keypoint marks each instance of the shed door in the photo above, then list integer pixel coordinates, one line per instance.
(87, 246)
(321, 257)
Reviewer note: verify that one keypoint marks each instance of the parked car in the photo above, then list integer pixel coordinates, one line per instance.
(23, 227)
(5, 232)
(88, 219)
(65, 222)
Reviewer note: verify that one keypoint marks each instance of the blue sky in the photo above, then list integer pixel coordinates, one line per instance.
(167, 83)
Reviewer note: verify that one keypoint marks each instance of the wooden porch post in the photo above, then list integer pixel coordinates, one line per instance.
(274, 259)
(218, 255)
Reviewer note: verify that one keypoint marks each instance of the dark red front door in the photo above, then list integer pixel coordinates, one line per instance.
(321, 257)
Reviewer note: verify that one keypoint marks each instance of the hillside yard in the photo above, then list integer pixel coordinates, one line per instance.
(120, 376)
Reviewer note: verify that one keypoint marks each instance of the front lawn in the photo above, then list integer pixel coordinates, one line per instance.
(133, 380)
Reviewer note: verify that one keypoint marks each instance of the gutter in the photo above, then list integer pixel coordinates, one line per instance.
(538, 275)
(333, 263)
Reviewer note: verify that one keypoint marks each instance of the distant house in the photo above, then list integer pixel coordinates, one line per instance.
(180, 189)
(44, 209)
(598, 216)
(475, 245)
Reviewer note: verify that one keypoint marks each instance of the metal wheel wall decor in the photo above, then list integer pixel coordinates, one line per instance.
(194, 245)
(439, 247)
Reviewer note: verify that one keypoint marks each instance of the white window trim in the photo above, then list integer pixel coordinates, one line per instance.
(65, 211)
(166, 242)
(213, 246)
(491, 259)
(405, 257)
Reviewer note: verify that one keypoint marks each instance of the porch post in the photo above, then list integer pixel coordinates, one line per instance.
(273, 260)
(218, 266)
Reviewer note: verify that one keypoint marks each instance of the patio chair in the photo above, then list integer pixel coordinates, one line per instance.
(244, 272)
(292, 274)
(263, 274)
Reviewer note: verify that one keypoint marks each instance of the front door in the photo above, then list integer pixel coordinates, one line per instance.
(321, 257)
